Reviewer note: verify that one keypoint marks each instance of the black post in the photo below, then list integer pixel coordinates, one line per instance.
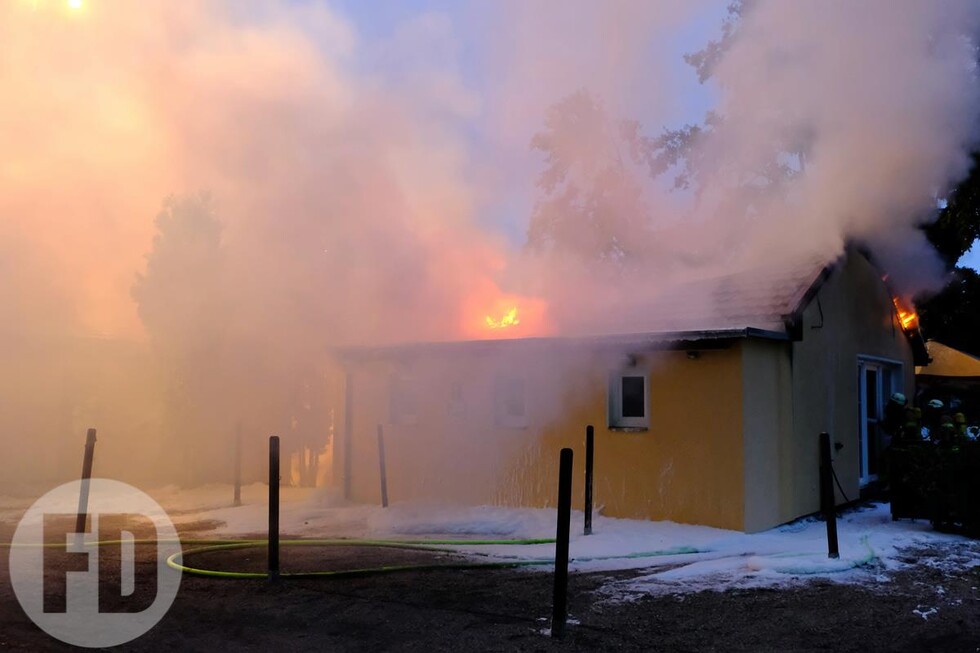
(238, 464)
(381, 464)
(560, 606)
(348, 431)
(86, 476)
(827, 502)
(589, 453)
(274, 508)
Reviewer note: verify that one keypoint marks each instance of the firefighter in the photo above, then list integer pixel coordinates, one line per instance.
(948, 434)
(949, 509)
(891, 429)
(894, 415)
(911, 430)
(959, 419)
(917, 415)
(910, 466)
(932, 417)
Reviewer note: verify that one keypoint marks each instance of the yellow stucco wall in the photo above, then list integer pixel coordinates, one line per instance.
(687, 467)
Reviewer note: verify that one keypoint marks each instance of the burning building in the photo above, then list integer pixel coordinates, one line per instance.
(711, 416)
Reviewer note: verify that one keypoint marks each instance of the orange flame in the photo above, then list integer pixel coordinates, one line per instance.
(489, 312)
(509, 319)
(907, 317)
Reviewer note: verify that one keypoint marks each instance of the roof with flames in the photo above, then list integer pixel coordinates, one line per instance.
(766, 302)
(758, 303)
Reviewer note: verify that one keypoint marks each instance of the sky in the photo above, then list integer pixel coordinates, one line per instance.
(972, 258)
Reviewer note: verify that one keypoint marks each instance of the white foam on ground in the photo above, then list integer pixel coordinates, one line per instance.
(668, 557)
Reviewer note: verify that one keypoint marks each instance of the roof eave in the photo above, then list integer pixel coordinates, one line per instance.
(652, 341)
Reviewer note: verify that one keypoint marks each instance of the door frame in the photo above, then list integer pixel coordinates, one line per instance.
(882, 395)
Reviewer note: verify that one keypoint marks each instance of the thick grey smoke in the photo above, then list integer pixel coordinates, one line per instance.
(881, 98)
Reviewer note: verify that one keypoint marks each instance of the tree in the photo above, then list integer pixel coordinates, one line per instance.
(177, 296)
(704, 60)
(592, 205)
(958, 225)
(953, 231)
(230, 355)
(698, 155)
(952, 316)
(179, 299)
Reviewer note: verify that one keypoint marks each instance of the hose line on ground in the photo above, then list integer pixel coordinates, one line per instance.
(177, 560)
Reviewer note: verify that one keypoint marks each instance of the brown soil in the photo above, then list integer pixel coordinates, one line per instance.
(508, 610)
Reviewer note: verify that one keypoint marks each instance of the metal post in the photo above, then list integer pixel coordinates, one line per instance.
(589, 453)
(348, 431)
(274, 508)
(827, 502)
(86, 476)
(381, 465)
(559, 611)
(238, 464)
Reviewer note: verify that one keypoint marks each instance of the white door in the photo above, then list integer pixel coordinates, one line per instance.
(877, 381)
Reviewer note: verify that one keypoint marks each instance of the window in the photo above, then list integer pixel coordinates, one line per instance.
(629, 400)
(510, 402)
(403, 402)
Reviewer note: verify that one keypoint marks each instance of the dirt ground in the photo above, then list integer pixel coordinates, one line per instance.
(508, 610)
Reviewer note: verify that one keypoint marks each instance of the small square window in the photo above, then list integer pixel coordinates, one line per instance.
(403, 401)
(510, 402)
(629, 400)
